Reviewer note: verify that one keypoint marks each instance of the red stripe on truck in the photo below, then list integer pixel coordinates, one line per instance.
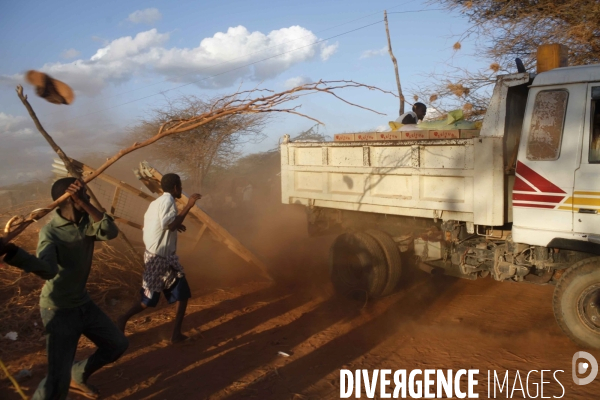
(523, 186)
(541, 183)
(542, 198)
(533, 205)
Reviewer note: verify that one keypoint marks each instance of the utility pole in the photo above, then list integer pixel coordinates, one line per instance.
(387, 31)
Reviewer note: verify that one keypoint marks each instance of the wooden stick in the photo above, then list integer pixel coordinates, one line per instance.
(70, 165)
(71, 169)
(387, 31)
(45, 134)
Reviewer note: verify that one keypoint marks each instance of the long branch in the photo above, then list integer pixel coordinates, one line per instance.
(232, 105)
(66, 160)
(69, 165)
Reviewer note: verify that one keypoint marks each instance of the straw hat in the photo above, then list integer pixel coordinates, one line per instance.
(52, 90)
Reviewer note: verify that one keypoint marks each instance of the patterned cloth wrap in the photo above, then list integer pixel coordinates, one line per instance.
(160, 273)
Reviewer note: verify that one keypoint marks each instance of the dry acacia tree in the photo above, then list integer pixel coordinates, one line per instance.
(256, 102)
(516, 28)
(504, 30)
(196, 152)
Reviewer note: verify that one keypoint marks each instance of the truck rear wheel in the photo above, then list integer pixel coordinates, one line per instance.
(392, 255)
(357, 264)
(577, 302)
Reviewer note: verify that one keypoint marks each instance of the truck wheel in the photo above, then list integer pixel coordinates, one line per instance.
(357, 264)
(392, 255)
(577, 302)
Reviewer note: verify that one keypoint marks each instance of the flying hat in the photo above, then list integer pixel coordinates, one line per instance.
(52, 90)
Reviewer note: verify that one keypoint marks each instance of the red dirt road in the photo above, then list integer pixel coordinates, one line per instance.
(238, 325)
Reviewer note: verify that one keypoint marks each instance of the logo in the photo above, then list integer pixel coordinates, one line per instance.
(590, 365)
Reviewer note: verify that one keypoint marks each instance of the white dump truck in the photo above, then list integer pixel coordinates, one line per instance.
(518, 203)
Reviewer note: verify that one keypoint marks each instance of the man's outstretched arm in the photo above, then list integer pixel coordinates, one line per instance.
(45, 265)
(176, 223)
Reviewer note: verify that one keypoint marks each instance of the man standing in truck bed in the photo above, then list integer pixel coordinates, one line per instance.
(162, 271)
(419, 110)
(64, 259)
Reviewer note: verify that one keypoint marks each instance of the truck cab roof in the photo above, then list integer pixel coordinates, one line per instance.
(565, 75)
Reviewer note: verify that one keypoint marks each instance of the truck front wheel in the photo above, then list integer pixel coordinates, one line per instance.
(577, 302)
(357, 265)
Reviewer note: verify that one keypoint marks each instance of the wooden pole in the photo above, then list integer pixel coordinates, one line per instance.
(387, 31)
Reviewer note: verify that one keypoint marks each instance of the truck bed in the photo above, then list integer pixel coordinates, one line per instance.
(452, 179)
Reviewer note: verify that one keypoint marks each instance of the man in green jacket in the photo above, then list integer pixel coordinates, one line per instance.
(64, 259)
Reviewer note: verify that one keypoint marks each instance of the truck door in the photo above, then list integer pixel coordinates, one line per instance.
(586, 197)
(548, 157)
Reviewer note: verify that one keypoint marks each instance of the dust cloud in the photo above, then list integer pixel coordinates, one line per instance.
(238, 322)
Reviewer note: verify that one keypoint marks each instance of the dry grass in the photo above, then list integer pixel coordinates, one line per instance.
(114, 276)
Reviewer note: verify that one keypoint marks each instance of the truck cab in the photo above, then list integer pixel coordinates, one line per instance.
(556, 195)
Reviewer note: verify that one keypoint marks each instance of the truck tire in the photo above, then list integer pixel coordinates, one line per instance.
(357, 265)
(392, 256)
(576, 302)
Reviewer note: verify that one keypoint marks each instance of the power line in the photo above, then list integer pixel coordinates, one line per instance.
(246, 55)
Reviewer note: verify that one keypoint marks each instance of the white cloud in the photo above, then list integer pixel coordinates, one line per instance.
(226, 55)
(25, 154)
(12, 80)
(71, 53)
(296, 81)
(328, 50)
(123, 48)
(11, 125)
(8, 122)
(147, 16)
(374, 53)
(19, 150)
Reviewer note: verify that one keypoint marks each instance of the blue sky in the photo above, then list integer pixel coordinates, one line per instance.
(120, 55)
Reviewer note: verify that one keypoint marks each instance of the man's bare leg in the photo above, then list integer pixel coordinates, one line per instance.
(135, 309)
(177, 335)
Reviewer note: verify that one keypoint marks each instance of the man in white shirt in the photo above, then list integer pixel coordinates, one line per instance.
(162, 270)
